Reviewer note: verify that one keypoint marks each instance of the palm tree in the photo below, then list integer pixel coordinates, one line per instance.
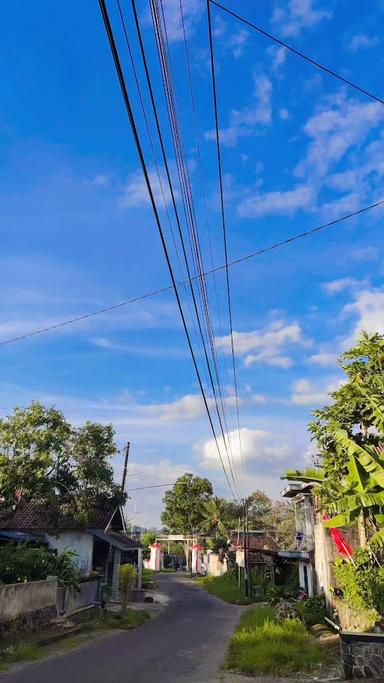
(213, 514)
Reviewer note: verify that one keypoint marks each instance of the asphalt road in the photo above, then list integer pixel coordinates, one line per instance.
(185, 644)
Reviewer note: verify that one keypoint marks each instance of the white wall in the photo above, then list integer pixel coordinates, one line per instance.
(79, 541)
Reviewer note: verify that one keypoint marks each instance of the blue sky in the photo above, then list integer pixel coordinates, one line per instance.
(299, 148)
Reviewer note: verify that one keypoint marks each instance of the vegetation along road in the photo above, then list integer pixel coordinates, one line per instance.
(186, 642)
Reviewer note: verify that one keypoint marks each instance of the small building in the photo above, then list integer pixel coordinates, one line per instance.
(316, 550)
(101, 545)
(300, 495)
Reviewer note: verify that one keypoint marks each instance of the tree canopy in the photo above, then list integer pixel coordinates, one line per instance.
(350, 436)
(46, 460)
(184, 504)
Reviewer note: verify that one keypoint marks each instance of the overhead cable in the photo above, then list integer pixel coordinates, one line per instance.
(168, 288)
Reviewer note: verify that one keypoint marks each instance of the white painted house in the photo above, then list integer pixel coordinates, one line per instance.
(101, 545)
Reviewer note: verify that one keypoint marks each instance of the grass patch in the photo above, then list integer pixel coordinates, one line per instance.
(225, 587)
(261, 645)
(21, 652)
(131, 619)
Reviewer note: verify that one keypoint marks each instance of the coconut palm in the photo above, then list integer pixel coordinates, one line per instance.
(213, 513)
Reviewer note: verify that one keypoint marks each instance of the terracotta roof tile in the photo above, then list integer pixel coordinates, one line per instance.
(29, 516)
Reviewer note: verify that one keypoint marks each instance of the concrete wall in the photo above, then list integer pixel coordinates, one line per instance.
(18, 598)
(79, 541)
(213, 566)
(27, 606)
(324, 558)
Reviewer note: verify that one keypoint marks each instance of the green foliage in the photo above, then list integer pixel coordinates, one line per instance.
(224, 587)
(65, 568)
(262, 646)
(127, 577)
(361, 581)
(45, 459)
(276, 593)
(349, 434)
(286, 609)
(184, 504)
(276, 518)
(312, 610)
(213, 517)
(20, 563)
(355, 409)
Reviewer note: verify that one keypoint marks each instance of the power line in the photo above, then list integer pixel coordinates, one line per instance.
(154, 486)
(296, 52)
(132, 122)
(223, 222)
(169, 179)
(168, 288)
(165, 60)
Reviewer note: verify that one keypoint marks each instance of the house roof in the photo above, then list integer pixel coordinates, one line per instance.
(255, 541)
(118, 540)
(29, 516)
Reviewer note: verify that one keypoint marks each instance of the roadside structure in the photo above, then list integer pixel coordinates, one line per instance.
(101, 544)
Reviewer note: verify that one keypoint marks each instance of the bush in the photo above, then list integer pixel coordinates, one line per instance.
(19, 563)
(127, 578)
(312, 610)
(277, 593)
(362, 582)
(286, 609)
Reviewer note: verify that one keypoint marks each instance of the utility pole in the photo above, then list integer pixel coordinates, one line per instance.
(126, 455)
(245, 532)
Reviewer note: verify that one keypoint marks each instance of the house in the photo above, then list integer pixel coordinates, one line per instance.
(316, 546)
(101, 544)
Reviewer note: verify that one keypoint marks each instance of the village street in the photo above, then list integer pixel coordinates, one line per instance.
(186, 642)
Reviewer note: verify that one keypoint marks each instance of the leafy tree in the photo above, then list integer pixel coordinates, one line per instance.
(184, 504)
(33, 449)
(259, 505)
(146, 539)
(45, 460)
(350, 436)
(214, 517)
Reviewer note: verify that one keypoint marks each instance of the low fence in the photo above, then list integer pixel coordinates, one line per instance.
(27, 606)
(70, 600)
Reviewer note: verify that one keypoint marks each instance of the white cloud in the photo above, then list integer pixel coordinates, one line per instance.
(238, 42)
(249, 120)
(135, 192)
(323, 359)
(307, 393)
(189, 407)
(278, 56)
(256, 445)
(368, 309)
(282, 202)
(342, 284)
(335, 129)
(284, 114)
(140, 350)
(192, 11)
(144, 507)
(298, 15)
(362, 40)
(258, 398)
(100, 180)
(266, 344)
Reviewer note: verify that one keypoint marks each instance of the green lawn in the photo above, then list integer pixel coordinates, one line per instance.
(261, 645)
(225, 587)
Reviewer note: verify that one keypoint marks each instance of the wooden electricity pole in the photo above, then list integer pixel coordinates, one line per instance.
(126, 455)
(245, 543)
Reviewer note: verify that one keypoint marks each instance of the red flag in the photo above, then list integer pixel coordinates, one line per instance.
(343, 547)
